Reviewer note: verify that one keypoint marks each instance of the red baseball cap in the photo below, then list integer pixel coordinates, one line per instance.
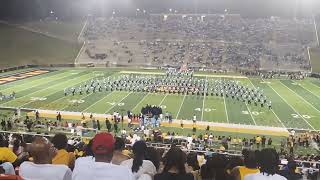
(103, 143)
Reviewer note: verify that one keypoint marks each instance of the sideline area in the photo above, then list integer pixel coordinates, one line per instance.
(222, 127)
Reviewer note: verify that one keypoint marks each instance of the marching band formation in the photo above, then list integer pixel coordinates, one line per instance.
(174, 83)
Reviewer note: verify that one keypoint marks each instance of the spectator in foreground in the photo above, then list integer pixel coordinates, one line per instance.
(118, 156)
(42, 152)
(101, 168)
(60, 142)
(7, 156)
(174, 166)
(4, 176)
(290, 171)
(153, 155)
(250, 166)
(268, 161)
(193, 165)
(138, 165)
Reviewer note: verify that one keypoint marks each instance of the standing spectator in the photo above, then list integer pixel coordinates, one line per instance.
(263, 142)
(174, 166)
(138, 165)
(268, 161)
(60, 142)
(98, 125)
(42, 152)
(269, 142)
(101, 168)
(250, 166)
(258, 141)
(118, 155)
(108, 125)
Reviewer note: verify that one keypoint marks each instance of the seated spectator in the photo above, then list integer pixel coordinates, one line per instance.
(4, 176)
(154, 156)
(250, 166)
(289, 171)
(193, 165)
(8, 168)
(60, 142)
(88, 158)
(218, 164)
(118, 155)
(6, 154)
(174, 166)
(138, 165)
(268, 160)
(101, 168)
(42, 153)
(207, 173)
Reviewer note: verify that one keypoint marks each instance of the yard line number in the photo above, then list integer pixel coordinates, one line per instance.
(205, 109)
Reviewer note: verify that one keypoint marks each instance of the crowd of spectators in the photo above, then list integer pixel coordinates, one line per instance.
(211, 41)
(107, 157)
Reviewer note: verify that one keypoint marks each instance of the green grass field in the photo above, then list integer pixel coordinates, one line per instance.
(22, 47)
(296, 104)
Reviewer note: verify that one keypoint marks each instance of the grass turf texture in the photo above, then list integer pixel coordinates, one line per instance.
(315, 59)
(21, 47)
(296, 104)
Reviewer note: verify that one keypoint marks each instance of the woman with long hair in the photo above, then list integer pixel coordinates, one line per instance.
(141, 168)
(174, 166)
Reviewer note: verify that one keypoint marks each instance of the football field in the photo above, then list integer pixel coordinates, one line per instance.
(295, 104)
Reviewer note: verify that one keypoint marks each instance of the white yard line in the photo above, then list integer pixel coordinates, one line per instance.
(225, 108)
(300, 97)
(140, 101)
(271, 109)
(163, 99)
(251, 114)
(118, 102)
(49, 88)
(309, 90)
(98, 101)
(290, 106)
(254, 121)
(278, 118)
(203, 102)
(181, 106)
(313, 84)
